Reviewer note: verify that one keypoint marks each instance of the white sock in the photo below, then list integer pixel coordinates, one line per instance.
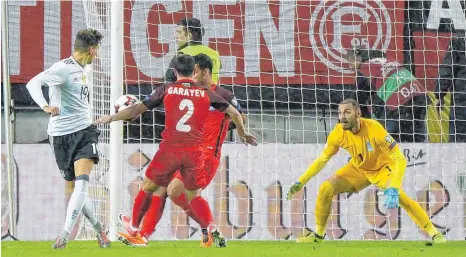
(76, 203)
(88, 212)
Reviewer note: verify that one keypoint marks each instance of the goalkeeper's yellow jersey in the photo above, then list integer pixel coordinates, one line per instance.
(370, 149)
(195, 49)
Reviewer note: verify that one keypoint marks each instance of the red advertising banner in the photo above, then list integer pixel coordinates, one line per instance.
(260, 42)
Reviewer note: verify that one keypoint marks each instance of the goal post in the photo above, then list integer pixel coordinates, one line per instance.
(116, 128)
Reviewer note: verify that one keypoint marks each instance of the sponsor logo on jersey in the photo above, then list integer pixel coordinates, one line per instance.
(390, 140)
(369, 146)
(75, 80)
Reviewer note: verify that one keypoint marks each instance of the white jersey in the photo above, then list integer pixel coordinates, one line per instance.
(69, 92)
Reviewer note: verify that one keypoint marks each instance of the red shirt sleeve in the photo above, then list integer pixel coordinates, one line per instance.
(156, 97)
(217, 101)
(229, 96)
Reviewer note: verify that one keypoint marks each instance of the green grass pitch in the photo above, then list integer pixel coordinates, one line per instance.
(240, 249)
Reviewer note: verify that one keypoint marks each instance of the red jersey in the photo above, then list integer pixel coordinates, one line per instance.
(217, 123)
(186, 110)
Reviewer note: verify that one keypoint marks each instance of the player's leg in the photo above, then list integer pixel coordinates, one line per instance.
(88, 212)
(347, 179)
(76, 154)
(176, 192)
(85, 158)
(382, 178)
(195, 179)
(158, 174)
(419, 216)
(154, 214)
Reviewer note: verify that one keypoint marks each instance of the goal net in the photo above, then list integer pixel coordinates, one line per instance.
(284, 61)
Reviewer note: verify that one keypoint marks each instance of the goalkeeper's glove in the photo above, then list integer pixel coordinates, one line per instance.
(392, 198)
(296, 187)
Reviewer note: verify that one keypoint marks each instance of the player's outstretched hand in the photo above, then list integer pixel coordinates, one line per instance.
(53, 110)
(104, 120)
(249, 139)
(296, 187)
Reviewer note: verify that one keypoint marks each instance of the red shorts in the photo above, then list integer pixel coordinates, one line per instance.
(169, 160)
(211, 165)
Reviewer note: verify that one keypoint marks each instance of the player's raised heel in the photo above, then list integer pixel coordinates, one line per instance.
(102, 238)
(135, 241)
(125, 221)
(311, 237)
(60, 243)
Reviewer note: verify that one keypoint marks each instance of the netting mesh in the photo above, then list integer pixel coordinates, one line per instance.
(284, 61)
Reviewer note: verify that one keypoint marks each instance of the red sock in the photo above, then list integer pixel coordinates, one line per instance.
(153, 215)
(183, 203)
(200, 208)
(140, 207)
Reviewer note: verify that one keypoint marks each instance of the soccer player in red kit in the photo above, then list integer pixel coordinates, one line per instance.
(187, 106)
(217, 126)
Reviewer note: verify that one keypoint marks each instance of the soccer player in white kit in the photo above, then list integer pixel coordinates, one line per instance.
(72, 135)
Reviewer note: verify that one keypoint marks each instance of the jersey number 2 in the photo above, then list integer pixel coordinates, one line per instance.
(181, 126)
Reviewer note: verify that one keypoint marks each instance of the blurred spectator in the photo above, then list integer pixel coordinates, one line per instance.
(389, 92)
(452, 78)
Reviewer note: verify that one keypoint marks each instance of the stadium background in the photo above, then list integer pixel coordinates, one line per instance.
(266, 97)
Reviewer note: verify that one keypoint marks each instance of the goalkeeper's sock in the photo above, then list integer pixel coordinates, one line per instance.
(140, 207)
(153, 216)
(201, 209)
(416, 213)
(88, 212)
(323, 206)
(183, 203)
(76, 203)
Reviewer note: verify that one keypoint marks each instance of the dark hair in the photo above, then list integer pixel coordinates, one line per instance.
(87, 38)
(194, 26)
(203, 61)
(351, 101)
(184, 65)
(364, 53)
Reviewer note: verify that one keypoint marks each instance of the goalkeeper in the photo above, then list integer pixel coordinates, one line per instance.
(375, 159)
(189, 39)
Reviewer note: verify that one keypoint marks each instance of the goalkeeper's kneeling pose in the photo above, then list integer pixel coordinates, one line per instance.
(375, 159)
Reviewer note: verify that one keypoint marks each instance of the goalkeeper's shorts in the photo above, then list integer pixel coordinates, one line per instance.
(360, 179)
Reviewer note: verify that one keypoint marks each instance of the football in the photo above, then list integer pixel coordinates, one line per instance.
(124, 102)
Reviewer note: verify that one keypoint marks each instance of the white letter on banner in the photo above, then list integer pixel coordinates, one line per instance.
(14, 35)
(280, 42)
(215, 28)
(455, 13)
(52, 33)
(340, 29)
(148, 64)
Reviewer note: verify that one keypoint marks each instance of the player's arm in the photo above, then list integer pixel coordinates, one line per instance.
(230, 97)
(389, 146)
(50, 77)
(150, 102)
(222, 105)
(331, 148)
